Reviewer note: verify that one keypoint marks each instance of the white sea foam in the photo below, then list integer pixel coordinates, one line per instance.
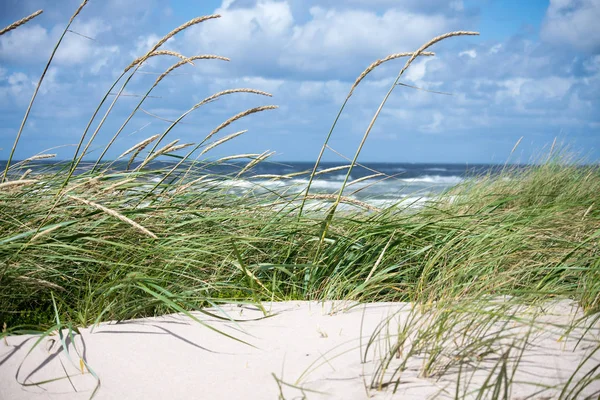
(322, 184)
(408, 192)
(435, 180)
(436, 169)
(341, 177)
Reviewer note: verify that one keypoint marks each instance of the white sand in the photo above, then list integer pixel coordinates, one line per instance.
(172, 357)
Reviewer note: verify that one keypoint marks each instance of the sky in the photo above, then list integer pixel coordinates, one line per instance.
(533, 73)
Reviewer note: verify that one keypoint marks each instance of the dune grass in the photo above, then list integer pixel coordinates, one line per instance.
(534, 235)
(133, 238)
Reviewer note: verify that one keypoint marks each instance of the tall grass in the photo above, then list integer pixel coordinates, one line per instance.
(133, 238)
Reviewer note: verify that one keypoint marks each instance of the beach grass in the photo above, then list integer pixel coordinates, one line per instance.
(133, 238)
(94, 243)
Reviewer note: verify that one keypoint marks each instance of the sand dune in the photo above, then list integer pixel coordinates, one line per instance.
(319, 347)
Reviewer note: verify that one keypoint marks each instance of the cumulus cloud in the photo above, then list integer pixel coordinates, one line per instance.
(29, 43)
(573, 23)
(307, 53)
(33, 44)
(471, 53)
(265, 37)
(333, 38)
(429, 7)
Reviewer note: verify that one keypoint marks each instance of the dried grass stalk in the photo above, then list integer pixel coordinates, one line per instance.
(115, 214)
(221, 141)
(183, 188)
(342, 199)
(231, 91)
(258, 159)
(45, 232)
(333, 169)
(154, 54)
(364, 178)
(175, 31)
(78, 11)
(41, 282)
(179, 147)
(17, 183)
(168, 53)
(516, 145)
(159, 152)
(87, 184)
(165, 148)
(116, 185)
(214, 97)
(169, 36)
(239, 116)
(431, 43)
(188, 61)
(141, 145)
(378, 63)
(20, 22)
(236, 157)
(380, 258)
(270, 176)
(26, 174)
(39, 157)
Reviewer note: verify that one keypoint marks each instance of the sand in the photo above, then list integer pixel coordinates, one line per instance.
(304, 350)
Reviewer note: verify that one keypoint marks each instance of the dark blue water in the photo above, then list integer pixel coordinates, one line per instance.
(388, 182)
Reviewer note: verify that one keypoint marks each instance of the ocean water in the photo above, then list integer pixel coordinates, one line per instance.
(378, 184)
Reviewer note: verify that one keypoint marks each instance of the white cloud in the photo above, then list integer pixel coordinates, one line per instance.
(271, 86)
(435, 125)
(34, 44)
(265, 36)
(417, 70)
(430, 6)
(17, 91)
(311, 89)
(17, 79)
(102, 58)
(470, 53)
(495, 48)
(93, 27)
(573, 23)
(145, 43)
(593, 64)
(333, 38)
(457, 5)
(29, 43)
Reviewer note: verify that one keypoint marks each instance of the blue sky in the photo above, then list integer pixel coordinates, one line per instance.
(534, 73)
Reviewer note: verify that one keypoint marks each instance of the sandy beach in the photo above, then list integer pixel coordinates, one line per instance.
(305, 349)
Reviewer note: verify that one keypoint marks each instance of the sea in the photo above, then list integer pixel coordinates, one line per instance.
(377, 184)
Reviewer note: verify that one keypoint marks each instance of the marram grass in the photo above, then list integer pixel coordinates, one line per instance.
(534, 234)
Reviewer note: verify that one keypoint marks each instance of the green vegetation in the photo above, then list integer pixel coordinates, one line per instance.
(80, 247)
(533, 235)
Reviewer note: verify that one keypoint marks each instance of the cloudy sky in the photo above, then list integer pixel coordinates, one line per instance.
(534, 73)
